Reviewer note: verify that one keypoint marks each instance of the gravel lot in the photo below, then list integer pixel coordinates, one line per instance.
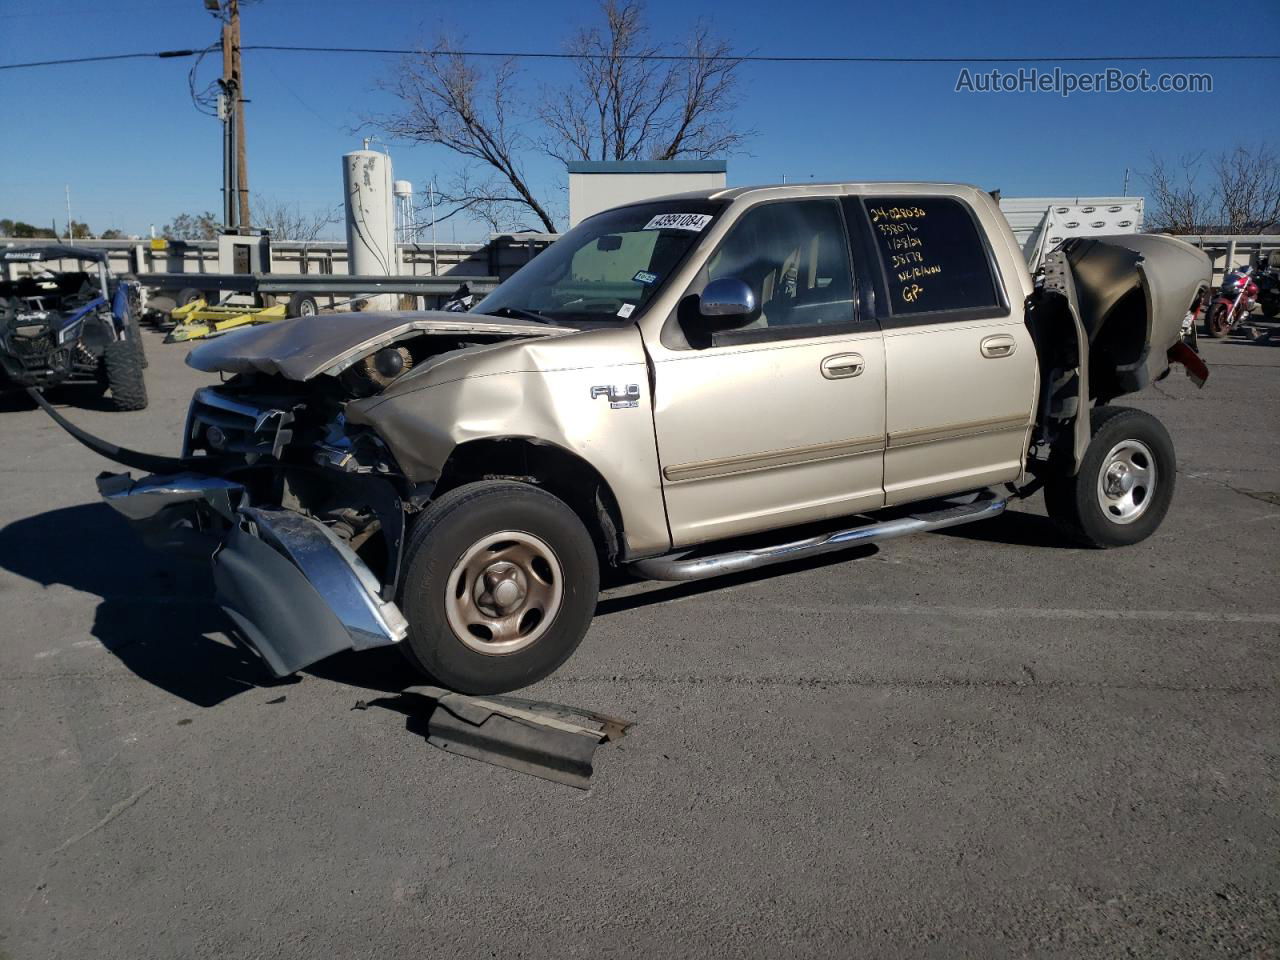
(979, 743)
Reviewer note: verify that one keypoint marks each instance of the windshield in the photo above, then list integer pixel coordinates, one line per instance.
(607, 268)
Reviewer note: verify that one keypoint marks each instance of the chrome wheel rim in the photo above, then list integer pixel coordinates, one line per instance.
(1127, 481)
(504, 592)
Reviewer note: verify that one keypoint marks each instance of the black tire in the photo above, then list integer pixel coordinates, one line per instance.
(1076, 504)
(1217, 323)
(302, 305)
(188, 295)
(135, 333)
(123, 361)
(454, 526)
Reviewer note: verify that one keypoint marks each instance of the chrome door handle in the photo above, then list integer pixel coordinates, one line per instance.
(1001, 345)
(842, 365)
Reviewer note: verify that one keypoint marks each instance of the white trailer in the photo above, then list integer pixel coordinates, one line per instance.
(1041, 223)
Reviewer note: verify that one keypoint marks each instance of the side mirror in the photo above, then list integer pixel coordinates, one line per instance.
(727, 300)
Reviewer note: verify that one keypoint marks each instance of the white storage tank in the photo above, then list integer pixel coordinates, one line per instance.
(371, 242)
(406, 224)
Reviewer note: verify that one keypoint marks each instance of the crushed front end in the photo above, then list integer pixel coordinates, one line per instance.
(303, 523)
(302, 514)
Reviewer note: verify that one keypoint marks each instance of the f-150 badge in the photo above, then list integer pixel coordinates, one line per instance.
(620, 395)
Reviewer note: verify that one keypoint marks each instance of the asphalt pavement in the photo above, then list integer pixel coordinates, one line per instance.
(981, 743)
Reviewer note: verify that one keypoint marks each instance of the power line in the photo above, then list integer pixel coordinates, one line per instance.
(759, 58)
(745, 58)
(161, 54)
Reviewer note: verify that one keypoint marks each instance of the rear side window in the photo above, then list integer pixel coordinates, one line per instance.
(933, 255)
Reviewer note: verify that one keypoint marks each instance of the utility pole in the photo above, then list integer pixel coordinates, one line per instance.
(69, 236)
(235, 164)
(1126, 182)
(237, 78)
(226, 113)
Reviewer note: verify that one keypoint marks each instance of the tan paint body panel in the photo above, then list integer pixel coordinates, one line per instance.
(956, 418)
(540, 390)
(754, 436)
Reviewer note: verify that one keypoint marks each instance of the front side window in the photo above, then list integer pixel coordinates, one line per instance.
(933, 256)
(607, 268)
(794, 257)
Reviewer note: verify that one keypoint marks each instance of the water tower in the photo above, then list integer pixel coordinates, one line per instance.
(406, 221)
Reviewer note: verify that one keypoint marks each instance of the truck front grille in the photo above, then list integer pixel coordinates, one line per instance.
(218, 423)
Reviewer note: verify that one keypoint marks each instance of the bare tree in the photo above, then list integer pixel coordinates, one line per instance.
(623, 105)
(1248, 189)
(447, 101)
(1240, 192)
(287, 221)
(630, 103)
(1178, 204)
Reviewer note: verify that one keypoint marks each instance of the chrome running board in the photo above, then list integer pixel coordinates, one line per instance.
(680, 566)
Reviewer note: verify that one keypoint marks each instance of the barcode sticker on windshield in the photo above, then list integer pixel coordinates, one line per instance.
(626, 310)
(679, 221)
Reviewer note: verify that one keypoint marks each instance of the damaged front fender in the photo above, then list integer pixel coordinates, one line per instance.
(297, 592)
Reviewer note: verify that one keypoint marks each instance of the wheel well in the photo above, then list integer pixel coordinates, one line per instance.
(554, 469)
(1119, 346)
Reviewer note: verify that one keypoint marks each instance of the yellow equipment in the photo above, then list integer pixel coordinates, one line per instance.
(198, 319)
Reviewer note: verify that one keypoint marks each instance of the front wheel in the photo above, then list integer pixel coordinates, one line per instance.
(501, 582)
(1125, 483)
(1218, 323)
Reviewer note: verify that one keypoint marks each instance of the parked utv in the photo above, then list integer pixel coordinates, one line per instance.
(70, 327)
(686, 387)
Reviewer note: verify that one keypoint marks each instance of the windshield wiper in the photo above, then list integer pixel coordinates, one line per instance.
(519, 314)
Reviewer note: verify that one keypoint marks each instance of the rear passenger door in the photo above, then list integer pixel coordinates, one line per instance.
(959, 361)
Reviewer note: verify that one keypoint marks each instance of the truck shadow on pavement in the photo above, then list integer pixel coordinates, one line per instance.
(1014, 528)
(155, 617)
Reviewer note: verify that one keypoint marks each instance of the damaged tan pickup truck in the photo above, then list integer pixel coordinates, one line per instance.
(680, 388)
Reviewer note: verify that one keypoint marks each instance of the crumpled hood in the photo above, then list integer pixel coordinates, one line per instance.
(306, 347)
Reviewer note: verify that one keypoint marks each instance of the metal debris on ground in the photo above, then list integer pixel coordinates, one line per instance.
(546, 740)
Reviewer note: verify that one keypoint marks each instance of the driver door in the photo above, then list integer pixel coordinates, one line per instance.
(780, 421)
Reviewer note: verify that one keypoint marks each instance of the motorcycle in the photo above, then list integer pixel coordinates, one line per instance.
(1236, 298)
(1267, 276)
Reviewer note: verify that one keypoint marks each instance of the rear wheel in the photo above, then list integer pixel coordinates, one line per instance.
(501, 582)
(1218, 322)
(135, 333)
(302, 305)
(1125, 483)
(123, 362)
(188, 295)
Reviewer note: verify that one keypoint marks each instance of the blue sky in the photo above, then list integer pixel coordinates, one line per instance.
(135, 151)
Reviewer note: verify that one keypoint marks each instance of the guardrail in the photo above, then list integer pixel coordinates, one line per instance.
(1228, 251)
(500, 257)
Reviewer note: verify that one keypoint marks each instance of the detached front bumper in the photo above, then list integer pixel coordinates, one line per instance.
(297, 592)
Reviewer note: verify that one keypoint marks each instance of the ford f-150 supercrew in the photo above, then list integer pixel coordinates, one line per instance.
(678, 388)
